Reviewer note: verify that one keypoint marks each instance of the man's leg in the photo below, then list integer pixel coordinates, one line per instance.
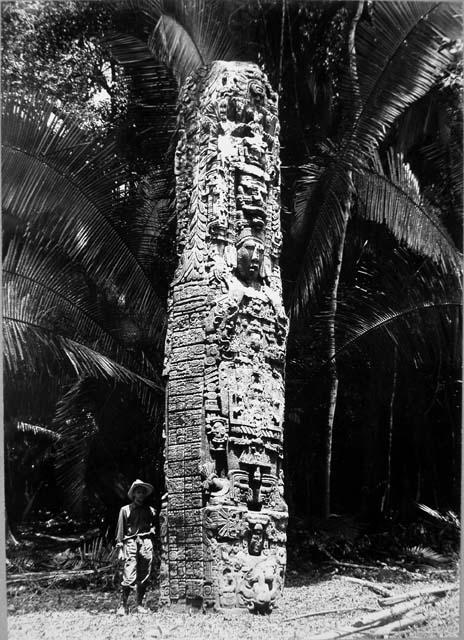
(145, 558)
(129, 575)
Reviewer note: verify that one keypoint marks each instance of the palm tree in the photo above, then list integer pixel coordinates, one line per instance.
(79, 304)
(393, 60)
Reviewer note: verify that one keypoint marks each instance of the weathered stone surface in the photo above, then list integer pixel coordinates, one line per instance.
(224, 520)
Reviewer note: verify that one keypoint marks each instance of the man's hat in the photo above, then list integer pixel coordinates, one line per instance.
(138, 483)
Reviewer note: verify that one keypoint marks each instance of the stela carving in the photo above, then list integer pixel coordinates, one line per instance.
(223, 523)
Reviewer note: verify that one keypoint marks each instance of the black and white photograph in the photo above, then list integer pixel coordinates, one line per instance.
(232, 236)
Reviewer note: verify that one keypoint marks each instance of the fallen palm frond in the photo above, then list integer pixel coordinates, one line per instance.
(425, 555)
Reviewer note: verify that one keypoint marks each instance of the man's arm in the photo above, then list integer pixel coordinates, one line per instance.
(120, 527)
(152, 521)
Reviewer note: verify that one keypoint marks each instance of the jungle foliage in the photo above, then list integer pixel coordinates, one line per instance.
(371, 130)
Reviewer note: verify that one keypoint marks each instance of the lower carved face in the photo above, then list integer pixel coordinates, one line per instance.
(250, 254)
(218, 435)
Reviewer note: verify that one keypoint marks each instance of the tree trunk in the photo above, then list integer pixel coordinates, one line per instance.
(10, 537)
(333, 373)
(224, 520)
(386, 496)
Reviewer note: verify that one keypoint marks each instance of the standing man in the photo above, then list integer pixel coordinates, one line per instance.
(134, 539)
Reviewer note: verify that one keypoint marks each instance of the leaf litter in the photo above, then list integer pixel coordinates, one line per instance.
(313, 603)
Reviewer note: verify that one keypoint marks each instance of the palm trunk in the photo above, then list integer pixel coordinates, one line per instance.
(386, 495)
(333, 373)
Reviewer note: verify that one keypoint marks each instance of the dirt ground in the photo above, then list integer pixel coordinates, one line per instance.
(53, 613)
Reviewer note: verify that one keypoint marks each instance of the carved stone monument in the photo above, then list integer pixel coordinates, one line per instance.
(223, 524)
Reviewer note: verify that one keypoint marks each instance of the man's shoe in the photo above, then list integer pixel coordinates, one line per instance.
(141, 609)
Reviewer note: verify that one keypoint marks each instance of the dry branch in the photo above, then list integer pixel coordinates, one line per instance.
(386, 614)
(65, 539)
(382, 567)
(351, 565)
(369, 621)
(427, 591)
(377, 588)
(397, 625)
(325, 612)
(37, 576)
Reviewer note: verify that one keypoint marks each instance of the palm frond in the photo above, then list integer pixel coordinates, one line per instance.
(35, 347)
(37, 430)
(393, 198)
(447, 159)
(154, 217)
(446, 518)
(44, 333)
(392, 295)
(97, 552)
(174, 45)
(187, 33)
(71, 460)
(399, 58)
(153, 89)
(325, 211)
(42, 295)
(304, 190)
(386, 319)
(63, 187)
(88, 435)
(75, 421)
(425, 555)
(417, 121)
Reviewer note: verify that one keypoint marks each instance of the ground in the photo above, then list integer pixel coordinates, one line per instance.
(53, 613)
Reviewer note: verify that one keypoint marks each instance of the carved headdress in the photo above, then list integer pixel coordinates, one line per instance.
(249, 232)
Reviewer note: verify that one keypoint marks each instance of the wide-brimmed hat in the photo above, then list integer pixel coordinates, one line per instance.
(138, 483)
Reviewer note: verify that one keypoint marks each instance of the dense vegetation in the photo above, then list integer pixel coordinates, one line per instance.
(371, 214)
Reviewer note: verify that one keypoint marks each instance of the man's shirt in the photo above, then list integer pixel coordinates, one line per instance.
(135, 521)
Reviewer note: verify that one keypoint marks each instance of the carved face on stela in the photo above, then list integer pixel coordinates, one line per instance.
(250, 254)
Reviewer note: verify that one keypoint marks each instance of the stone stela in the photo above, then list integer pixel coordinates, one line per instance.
(223, 523)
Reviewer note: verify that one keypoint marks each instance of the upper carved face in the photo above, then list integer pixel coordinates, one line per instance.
(256, 91)
(256, 543)
(250, 252)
